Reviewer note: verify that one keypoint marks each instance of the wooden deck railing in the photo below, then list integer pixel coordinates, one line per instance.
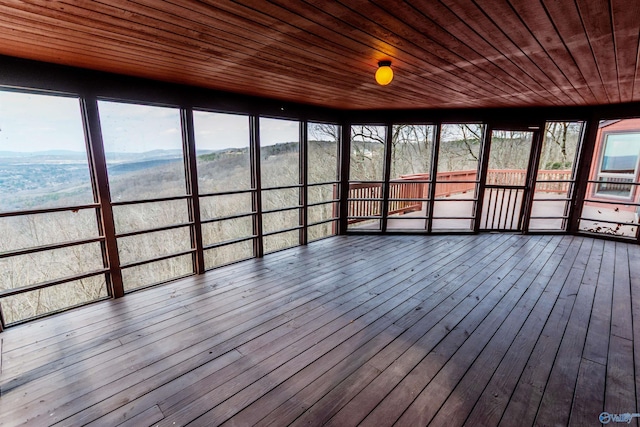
(447, 184)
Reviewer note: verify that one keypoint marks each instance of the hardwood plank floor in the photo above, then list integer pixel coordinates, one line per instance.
(488, 329)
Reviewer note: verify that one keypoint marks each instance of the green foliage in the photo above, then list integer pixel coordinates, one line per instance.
(557, 165)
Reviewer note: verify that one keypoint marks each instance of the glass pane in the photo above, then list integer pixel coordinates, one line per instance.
(547, 224)
(451, 224)
(43, 158)
(227, 254)
(279, 152)
(364, 224)
(322, 193)
(452, 208)
(220, 206)
(620, 153)
(280, 220)
(608, 218)
(459, 148)
(151, 245)
(35, 303)
(406, 222)
(278, 199)
(411, 151)
(365, 208)
(407, 190)
(322, 212)
(156, 272)
(222, 147)
(509, 157)
(143, 148)
(367, 153)
(458, 187)
(548, 208)
(555, 173)
(230, 229)
(40, 267)
(280, 241)
(27, 231)
(320, 231)
(323, 158)
(143, 216)
(559, 147)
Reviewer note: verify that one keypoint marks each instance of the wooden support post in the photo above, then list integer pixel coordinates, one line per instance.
(191, 172)
(256, 184)
(344, 175)
(98, 162)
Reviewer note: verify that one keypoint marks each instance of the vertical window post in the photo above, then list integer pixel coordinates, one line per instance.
(304, 180)
(582, 173)
(433, 175)
(93, 132)
(345, 157)
(189, 144)
(386, 175)
(256, 184)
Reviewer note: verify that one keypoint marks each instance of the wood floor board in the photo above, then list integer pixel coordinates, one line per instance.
(596, 346)
(309, 317)
(471, 386)
(270, 402)
(621, 306)
(525, 400)
(396, 372)
(488, 329)
(620, 380)
(557, 399)
(436, 296)
(490, 405)
(451, 361)
(427, 326)
(589, 394)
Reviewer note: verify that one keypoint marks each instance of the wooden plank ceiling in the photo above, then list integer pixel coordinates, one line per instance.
(445, 53)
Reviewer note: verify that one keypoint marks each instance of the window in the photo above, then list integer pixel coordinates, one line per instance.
(227, 210)
(145, 162)
(366, 174)
(409, 188)
(51, 249)
(281, 186)
(323, 164)
(618, 164)
(554, 188)
(457, 176)
(612, 202)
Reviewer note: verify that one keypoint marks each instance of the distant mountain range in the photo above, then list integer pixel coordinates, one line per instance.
(60, 155)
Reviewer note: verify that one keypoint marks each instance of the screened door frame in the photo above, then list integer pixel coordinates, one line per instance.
(522, 224)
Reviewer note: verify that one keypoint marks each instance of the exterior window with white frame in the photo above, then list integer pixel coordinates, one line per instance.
(618, 166)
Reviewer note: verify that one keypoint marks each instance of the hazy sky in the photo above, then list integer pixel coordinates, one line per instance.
(35, 123)
(31, 123)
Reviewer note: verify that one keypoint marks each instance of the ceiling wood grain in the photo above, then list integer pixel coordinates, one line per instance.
(445, 53)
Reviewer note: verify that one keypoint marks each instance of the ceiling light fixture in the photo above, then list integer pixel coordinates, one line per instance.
(384, 73)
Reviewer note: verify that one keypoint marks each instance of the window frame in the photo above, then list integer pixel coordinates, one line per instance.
(599, 174)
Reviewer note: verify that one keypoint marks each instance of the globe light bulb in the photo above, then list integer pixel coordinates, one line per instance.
(384, 73)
